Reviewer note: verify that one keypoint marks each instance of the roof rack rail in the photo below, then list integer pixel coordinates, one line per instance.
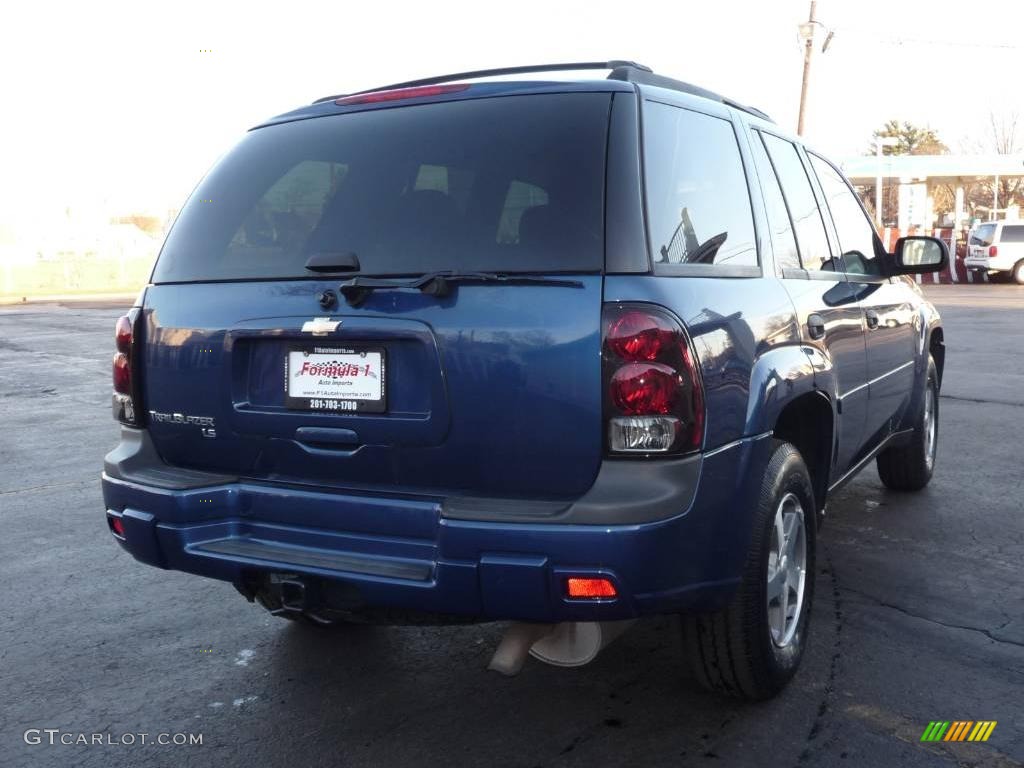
(613, 65)
(631, 73)
(627, 71)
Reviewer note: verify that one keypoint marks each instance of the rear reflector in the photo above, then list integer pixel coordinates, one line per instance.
(578, 588)
(116, 525)
(396, 94)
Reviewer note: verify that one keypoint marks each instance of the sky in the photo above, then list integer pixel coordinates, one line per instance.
(124, 106)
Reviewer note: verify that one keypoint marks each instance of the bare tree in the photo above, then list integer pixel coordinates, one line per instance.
(1002, 138)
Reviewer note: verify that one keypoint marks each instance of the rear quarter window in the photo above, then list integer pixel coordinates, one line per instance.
(698, 204)
(510, 184)
(1012, 234)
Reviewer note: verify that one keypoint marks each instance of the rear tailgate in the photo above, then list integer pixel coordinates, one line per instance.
(498, 393)
(980, 240)
(492, 389)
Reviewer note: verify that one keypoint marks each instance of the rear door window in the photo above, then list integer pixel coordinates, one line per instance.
(512, 184)
(783, 240)
(803, 207)
(698, 205)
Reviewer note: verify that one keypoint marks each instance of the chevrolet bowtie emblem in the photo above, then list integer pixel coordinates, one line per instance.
(320, 326)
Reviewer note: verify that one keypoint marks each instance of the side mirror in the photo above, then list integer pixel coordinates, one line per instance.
(917, 253)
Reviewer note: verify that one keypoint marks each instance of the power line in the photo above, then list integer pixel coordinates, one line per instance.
(899, 41)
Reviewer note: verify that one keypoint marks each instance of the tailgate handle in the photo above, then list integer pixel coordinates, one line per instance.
(322, 436)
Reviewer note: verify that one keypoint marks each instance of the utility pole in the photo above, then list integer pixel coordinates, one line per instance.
(880, 141)
(878, 184)
(808, 49)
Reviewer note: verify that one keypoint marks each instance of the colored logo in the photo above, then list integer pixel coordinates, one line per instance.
(335, 369)
(958, 730)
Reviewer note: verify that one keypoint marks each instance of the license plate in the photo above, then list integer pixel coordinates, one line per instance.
(342, 379)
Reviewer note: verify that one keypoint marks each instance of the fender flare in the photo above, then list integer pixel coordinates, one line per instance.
(923, 353)
(780, 376)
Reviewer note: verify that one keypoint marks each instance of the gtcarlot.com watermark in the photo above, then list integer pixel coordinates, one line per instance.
(54, 736)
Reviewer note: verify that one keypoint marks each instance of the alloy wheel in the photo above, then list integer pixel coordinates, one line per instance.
(787, 561)
(930, 426)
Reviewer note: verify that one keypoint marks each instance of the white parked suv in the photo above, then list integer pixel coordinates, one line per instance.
(997, 247)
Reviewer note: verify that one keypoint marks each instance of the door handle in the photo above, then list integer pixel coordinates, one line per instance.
(319, 437)
(816, 326)
(872, 318)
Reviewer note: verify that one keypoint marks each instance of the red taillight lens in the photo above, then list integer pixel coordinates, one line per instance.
(580, 588)
(124, 401)
(645, 388)
(400, 93)
(993, 251)
(654, 402)
(116, 526)
(640, 336)
(123, 334)
(122, 374)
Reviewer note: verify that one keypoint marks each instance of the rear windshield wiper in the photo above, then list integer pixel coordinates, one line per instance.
(439, 284)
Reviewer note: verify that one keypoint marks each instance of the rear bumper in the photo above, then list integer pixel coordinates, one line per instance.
(986, 264)
(406, 553)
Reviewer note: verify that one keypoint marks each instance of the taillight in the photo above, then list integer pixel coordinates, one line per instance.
(125, 401)
(653, 397)
(395, 94)
(993, 251)
(122, 374)
(639, 335)
(123, 334)
(639, 388)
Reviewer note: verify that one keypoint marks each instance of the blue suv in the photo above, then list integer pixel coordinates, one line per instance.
(560, 353)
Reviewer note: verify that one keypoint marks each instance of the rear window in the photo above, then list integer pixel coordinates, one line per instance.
(1012, 234)
(983, 235)
(512, 184)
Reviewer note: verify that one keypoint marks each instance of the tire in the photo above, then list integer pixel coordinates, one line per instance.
(1018, 272)
(750, 650)
(909, 467)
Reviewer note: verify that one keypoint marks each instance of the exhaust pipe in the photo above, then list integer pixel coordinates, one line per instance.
(511, 653)
(569, 644)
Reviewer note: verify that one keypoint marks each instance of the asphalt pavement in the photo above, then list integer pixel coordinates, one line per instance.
(919, 614)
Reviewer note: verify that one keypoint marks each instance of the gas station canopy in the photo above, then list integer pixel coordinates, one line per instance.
(933, 167)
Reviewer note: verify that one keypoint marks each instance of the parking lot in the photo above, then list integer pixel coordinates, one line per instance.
(919, 613)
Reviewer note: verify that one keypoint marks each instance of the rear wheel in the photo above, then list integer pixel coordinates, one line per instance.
(909, 467)
(753, 647)
(1018, 272)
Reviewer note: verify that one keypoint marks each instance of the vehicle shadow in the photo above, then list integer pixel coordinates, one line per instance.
(398, 696)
